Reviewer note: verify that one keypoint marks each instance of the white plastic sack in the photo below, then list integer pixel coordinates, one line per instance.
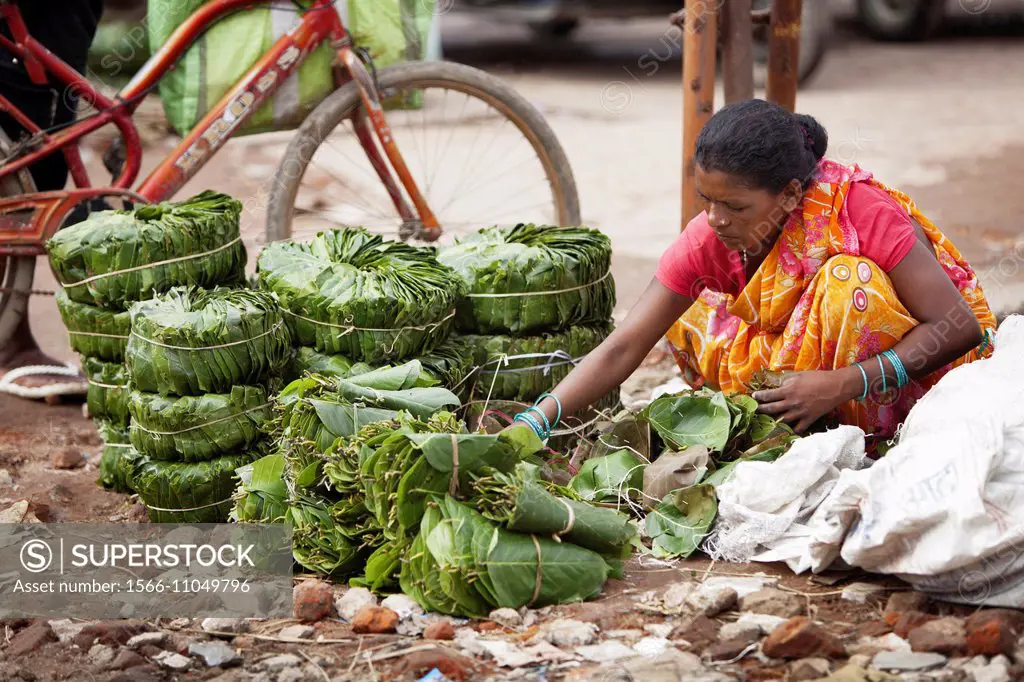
(944, 509)
(764, 507)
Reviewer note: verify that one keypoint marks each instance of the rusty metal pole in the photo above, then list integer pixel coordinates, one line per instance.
(737, 50)
(700, 33)
(784, 52)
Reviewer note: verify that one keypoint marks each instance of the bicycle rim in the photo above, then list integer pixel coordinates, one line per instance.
(476, 159)
(16, 272)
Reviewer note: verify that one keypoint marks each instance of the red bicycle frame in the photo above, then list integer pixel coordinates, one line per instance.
(27, 221)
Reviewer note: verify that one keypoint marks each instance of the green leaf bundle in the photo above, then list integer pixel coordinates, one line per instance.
(680, 523)
(198, 428)
(95, 332)
(115, 257)
(261, 495)
(527, 506)
(524, 367)
(448, 365)
(350, 292)
(317, 542)
(619, 475)
(118, 458)
(196, 341)
(177, 492)
(529, 278)
(107, 395)
(321, 409)
(461, 563)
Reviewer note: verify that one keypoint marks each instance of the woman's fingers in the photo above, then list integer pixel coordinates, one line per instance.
(775, 409)
(769, 395)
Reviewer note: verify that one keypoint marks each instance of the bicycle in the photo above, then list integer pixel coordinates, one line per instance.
(29, 218)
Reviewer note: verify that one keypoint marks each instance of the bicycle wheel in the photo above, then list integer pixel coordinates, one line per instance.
(16, 272)
(480, 153)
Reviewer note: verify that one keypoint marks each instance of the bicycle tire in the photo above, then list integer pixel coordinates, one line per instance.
(342, 103)
(16, 272)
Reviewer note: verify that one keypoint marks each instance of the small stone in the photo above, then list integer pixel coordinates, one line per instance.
(101, 654)
(651, 646)
(605, 652)
(69, 457)
(674, 597)
(765, 622)
(66, 629)
(509, 618)
(727, 650)
(799, 637)
(179, 624)
(404, 606)
(114, 632)
(313, 600)
(280, 662)
(31, 638)
(671, 665)
(354, 599)
(5, 478)
(869, 646)
(712, 601)
(569, 633)
(808, 669)
(375, 620)
(229, 626)
(126, 659)
(906, 660)
(297, 632)
(859, 660)
(440, 629)
(994, 632)
(154, 638)
(911, 620)
(453, 666)
(297, 674)
(659, 629)
(773, 602)
(215, 654)
(150, 650)
(942, 636)
(873, 628)
(901, 602)
(996, 671)
(744, 632)
(172, 661)
(863, 593)
(627, 635)
(701, 632)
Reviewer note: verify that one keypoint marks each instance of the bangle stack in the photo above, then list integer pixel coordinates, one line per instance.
(543, 430)
(902, 378)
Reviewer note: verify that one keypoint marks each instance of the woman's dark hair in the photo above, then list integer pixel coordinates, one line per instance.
(762, 143)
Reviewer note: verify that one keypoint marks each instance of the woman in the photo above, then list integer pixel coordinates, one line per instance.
(798, 265)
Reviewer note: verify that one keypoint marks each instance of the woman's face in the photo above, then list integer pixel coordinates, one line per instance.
(745, 219)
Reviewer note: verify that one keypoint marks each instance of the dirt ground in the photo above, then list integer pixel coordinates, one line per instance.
(961, 165)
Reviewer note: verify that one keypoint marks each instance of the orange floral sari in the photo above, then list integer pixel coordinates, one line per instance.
(816, 304)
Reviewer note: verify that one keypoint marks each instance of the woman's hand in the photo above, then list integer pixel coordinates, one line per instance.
(803, 398)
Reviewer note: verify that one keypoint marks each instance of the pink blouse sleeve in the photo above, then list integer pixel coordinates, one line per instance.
(679, 267)
(884, 230)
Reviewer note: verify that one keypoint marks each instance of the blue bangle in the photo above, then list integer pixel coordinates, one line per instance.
(881, 366)
(865, 375)
(547, 424)
(557, 402)
(529, 420)
(902, 378)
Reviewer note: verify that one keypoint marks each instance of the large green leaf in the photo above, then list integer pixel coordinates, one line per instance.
(606, 479)
(691, 420)
(680, 523)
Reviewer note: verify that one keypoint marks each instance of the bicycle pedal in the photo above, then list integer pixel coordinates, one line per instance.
(115, 157)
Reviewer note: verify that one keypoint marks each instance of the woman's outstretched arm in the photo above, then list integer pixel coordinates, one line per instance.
(611, 363)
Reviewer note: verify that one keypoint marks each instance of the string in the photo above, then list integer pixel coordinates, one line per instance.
(139, 426)
(453, 485)
(205, 506)
(543, 293)
(151, 265)
(111, 386)
(223, 345)
(106, 336)
(540, 573)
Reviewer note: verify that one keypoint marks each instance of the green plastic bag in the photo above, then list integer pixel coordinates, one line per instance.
(392, 31)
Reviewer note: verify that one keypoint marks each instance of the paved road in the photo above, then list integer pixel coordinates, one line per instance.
(941, 120)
